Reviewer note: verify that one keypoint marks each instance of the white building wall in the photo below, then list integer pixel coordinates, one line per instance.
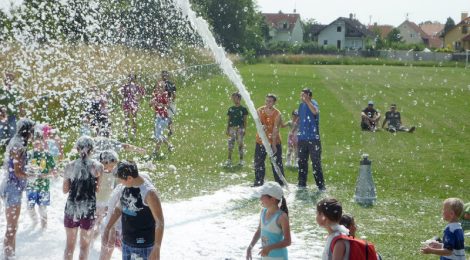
(332, 36)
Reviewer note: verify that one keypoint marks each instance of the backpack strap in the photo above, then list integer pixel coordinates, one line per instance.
(336, 238)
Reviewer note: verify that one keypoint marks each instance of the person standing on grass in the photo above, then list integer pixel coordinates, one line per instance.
(393, 119)
(271, 120)
(81, 183)
(292, 142)
(131, 93)
(170, 88)
(141, 215)
(370, 118)
(14, 182)
(308, 138)
(160, 103)
(236, 126)
(273, 228)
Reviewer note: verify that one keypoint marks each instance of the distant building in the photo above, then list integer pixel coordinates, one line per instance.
(411, 33)
(345, 33)
(380, 30)
(433, 30)
(284, 27)
(458, 38)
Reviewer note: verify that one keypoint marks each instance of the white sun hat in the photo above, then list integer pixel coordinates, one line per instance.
(272, 189)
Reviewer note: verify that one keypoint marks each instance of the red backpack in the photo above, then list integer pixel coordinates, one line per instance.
(359, 249)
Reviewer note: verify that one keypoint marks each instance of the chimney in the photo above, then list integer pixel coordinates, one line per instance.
(351, 16)
(295, 10)
(375, 24)
(464, 16)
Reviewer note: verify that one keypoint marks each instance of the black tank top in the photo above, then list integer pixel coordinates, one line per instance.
(81, 202)
(138, 225)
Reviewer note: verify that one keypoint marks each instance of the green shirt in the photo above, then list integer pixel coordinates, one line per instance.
(46, 163)
(235, 115)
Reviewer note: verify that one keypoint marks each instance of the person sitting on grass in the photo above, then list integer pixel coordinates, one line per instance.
(393, 119)
(141, 215)
(236, 126)
(453, 240)
(370, 118)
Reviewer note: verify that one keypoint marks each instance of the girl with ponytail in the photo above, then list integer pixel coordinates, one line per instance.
(81, 182)
(273, 228)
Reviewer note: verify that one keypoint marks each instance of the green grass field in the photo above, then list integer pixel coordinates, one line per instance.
(413, 173)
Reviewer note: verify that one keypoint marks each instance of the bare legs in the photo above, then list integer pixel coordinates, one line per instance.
(85, 238)
(9, 243)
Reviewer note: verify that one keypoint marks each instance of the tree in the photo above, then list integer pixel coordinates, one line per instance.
(449, 25)
(237, 25)
(309, 26)
(394, 36)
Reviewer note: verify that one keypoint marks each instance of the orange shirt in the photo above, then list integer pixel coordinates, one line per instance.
(268, 122)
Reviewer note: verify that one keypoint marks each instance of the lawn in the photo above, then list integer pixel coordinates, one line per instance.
(413, 172)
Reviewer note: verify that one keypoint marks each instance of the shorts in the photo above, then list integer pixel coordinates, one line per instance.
(12, 195)
(235, 134)
(161, 124)
(83, 223)
(135, 253)
(40, 198)
(131, 107)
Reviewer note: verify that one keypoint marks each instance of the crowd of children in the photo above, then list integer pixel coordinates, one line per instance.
(109, 197)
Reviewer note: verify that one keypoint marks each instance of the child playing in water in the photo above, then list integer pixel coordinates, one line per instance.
(453, 246)
(236, 126)
(329, 212)
(81, 182)
(131, 93)
(292, 150)
(160, 103)
(37, 190)
(109, 160)
(273, 228)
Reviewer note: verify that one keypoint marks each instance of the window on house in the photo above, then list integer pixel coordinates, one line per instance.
(338, 29)
(325, 42)
(411, 35)
(464, 29)
(284, 25)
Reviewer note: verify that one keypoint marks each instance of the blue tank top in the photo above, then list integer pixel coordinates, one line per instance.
(271, 233)
(12, 179)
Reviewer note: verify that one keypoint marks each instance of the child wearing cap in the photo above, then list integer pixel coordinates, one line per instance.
(273, 228)
(292, 150)
(370, 117)
(453, 240)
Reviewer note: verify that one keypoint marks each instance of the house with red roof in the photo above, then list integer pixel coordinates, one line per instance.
(284, 27)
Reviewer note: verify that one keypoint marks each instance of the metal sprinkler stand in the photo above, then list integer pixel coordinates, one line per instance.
(365, 187)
